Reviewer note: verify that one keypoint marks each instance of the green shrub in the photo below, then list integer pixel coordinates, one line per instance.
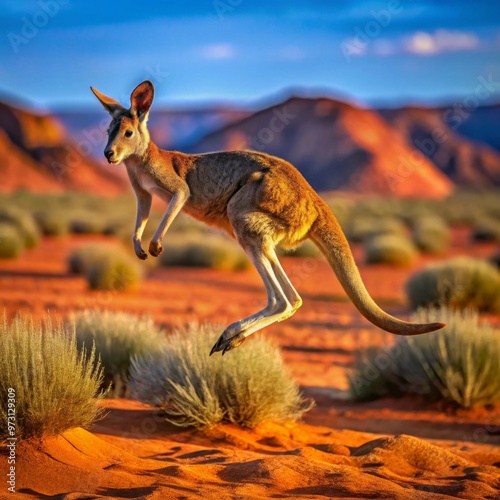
(487, 229)
(81, 258)
(11, 241)
(341, 208)
(460, 363)
(461, 282)
(118, 227)
(362, 228)
(431, 234)
(390, 249)
(56, 387)
(117, 336)
(204, 250)
(87, 222)
(53, 222)
(116, 271)
(246, 387)
(24, 222)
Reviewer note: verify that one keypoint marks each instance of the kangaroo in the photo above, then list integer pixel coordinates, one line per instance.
(260, 200)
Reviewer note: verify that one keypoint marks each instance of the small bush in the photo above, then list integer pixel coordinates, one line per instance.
(56, 388)
(119, 228)
(245, 387)
(116, 271)
(117, 336)
(208, 250)
(431, 234)
(390, 249)
(11, 241)
(53, 222)
(361, 228)
(460, 363)
(461, 282)
(105, 266)
(87, 222)
(81, 259)
(487, 229)
(24, 222)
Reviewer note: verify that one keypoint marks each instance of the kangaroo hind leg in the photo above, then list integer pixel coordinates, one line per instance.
(278, 305)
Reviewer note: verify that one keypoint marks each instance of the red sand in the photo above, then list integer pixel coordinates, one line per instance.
(133, 454)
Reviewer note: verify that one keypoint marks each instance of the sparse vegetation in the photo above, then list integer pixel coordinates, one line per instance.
(56, 387)
(11, 241)
(81, 258)
(115, 271)
(204, 250)
(487, 229)
(431, 234)
(461, 282)
(460, 363)
(85, 222)
(391, 249)
(105, 266)
(246, 387)
(72, 212)
(24, 222)
(361, 228)
(52, 222)
(117, 336)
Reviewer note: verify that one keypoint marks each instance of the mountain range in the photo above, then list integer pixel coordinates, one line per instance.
(407, 151)
(37, 154)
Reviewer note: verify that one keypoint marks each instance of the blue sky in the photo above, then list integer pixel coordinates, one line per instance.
(245, 50)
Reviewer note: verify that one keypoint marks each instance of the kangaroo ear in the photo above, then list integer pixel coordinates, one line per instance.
(142, 98)
(110, 105)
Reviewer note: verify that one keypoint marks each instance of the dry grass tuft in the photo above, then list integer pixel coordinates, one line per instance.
(460, 363)
(247, 386)
(461, 282)
(56, 388)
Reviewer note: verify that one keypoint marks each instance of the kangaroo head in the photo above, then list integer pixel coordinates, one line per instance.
(127, 133)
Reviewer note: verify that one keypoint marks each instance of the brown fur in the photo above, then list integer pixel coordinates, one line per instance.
(259, 199)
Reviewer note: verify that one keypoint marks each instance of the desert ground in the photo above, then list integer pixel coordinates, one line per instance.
(389, 448)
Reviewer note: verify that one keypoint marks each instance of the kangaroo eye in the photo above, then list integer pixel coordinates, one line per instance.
(129, 133)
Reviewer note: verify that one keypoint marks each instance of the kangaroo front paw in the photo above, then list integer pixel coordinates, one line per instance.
(225, 345)
(155, 248)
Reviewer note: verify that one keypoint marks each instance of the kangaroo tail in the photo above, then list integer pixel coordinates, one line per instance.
(327, 234)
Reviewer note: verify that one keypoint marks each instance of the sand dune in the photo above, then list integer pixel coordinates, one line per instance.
(133, 453)
(285, 460)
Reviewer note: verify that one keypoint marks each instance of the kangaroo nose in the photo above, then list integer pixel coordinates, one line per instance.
(109, 154)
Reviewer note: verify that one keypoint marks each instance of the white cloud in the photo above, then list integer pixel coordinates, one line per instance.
(218, 51)
(423, 43)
